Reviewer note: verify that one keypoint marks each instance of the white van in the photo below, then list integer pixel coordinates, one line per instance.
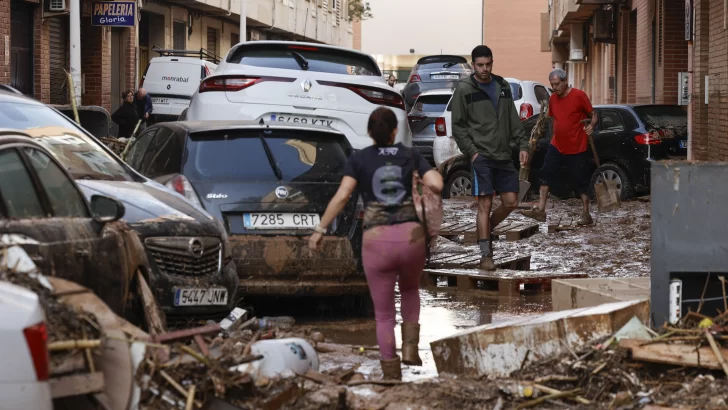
(172, 78)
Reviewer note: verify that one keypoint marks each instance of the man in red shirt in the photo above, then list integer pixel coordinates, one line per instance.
(568, 107)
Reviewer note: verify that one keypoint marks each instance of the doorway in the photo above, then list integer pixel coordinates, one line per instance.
(118, 72)
(21, 46)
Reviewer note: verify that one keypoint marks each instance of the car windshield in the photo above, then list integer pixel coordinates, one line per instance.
(301, 156)
(80, 154)
(671, 118)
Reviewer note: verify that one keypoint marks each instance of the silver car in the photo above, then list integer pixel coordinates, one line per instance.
(426, 120)
(435, 72)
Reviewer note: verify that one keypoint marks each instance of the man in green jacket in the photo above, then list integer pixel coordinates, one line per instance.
(485, 121)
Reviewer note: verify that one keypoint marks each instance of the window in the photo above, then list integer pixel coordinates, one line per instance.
(240, 156)
(65, 199)
(79, 153)
(164, 155)
(17, 189)
(673, 118)
(610, 121)
(319, 59)
(179, 35)
(432, 103)
(136, 152)
(517, 91)
(541, 93)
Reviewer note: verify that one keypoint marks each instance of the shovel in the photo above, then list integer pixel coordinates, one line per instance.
(605, 190)
(131, 141)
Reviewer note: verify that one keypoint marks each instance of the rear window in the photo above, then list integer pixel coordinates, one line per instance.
(432, 103)
(673, 118)
(516, 90)
(302, 156)
(319, 59)
(444, 65)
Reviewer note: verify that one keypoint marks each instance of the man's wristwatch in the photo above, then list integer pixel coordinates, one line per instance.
(319, 229)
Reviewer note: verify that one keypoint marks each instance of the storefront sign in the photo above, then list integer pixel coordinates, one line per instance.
(688, 20)
(114, 13)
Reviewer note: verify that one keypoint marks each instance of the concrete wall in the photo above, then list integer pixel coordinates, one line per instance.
(513, 31)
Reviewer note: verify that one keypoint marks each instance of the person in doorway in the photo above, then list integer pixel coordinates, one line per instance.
(568, 107)
(392, 80)
(126, 116)
(485, 121)
(144, 106)
(394, 247)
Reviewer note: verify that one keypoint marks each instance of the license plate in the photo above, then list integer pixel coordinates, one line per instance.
(160, 100)
(445, 77)
(280, 221)
(200, 297)
(684, 144)
(300, 119)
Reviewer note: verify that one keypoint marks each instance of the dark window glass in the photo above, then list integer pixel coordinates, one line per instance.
(672, 118)
(610, 121)
(17, 188)
(541, 93)
(65, 199)
(136, 152)
(319, 59)
(432, 103)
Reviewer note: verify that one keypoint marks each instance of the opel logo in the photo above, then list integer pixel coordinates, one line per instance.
(281, 192)
(306, 85)
(195, 248)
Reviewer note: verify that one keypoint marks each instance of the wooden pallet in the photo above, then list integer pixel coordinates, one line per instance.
(512, 230)
(498, 283)
(567, 224)
(472, 260)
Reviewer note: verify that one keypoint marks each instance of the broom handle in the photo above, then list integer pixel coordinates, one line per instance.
(594, 150)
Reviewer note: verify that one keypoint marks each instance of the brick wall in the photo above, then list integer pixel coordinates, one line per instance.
(96, 64)
(632, 59)
(645, 14)
(674, 52)
(718, 50)
(4, 34)
(701, 59)
(129, 70)
(41, 58)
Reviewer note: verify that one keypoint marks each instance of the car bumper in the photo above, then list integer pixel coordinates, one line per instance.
(284, 265)
(35, 395)
(163, 286)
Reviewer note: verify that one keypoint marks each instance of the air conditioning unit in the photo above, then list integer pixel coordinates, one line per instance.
(576, 43)
(603, 25)
(56, 6)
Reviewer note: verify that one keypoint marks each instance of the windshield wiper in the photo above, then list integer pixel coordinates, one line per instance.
(271, 158)
(301, 60)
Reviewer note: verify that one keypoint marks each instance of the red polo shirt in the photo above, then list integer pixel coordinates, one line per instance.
(568, 112)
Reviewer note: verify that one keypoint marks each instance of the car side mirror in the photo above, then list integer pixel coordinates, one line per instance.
(105, 209)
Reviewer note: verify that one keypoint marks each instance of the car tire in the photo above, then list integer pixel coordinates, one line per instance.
(616, 172)
(459, 183)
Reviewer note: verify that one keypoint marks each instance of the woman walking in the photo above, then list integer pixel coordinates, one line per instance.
(394, 240)
(126, 116)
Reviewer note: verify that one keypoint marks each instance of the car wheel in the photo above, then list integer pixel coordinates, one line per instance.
(460, 183)
(616, 173)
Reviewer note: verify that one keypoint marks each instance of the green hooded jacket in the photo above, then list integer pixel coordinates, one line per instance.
(478, 128)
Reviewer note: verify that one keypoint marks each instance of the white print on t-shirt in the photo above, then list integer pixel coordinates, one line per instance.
(387, 185)
(388, 151)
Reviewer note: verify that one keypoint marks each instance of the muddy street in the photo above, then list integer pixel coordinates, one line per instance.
(617, 246)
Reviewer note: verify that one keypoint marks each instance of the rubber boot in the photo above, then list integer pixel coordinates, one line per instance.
(391, 369)
(410, 344)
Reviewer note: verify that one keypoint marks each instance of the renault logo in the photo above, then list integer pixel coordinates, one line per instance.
(195, 248)
(306, 85)
(281, 192)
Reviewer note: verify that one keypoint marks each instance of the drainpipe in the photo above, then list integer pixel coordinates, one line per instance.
(75, 47)
(243, 22)
(691, 100)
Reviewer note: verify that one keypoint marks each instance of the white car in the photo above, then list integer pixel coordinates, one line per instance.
(299, 83)
(528, 95)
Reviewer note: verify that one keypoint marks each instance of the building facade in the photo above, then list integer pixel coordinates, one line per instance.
(34, 39)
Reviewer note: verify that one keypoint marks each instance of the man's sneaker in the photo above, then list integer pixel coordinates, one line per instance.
(585, 219)
(535, 213)
(486, 263)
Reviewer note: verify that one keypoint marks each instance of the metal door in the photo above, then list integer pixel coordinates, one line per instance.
(21, 46)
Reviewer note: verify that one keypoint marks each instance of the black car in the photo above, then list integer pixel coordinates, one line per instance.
(435, 72)
(43, 211)
(191, 271)
(628, 139)
(269, 185)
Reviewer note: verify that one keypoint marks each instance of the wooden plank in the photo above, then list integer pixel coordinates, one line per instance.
(152, 314)
(524, 230)
(674, 354)
(77, 384)
(457, 228)
(69, 364)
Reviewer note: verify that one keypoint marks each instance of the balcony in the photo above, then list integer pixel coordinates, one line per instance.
(567, 12)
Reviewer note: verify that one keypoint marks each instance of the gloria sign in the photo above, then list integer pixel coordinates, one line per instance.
(114, 13)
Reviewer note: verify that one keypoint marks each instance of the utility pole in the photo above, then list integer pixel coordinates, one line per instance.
(75, 47)
(243, 22)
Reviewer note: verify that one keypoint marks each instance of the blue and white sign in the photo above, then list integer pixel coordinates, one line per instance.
(114, 13)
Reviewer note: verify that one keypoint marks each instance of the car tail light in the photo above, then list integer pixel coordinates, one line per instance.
(236, 83)
(648, 139)
(441, 127)
(414, 78)
(372, 94)
(37, 339)
(182, 186)
(526, 111)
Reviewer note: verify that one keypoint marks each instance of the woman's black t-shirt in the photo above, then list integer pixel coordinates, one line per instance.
(384, 177)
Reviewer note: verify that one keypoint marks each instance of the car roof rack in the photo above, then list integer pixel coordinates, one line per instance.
(204, 54)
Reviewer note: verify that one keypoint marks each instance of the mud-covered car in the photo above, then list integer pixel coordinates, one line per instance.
(191, 271)
(269, 184)
(43, 211)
